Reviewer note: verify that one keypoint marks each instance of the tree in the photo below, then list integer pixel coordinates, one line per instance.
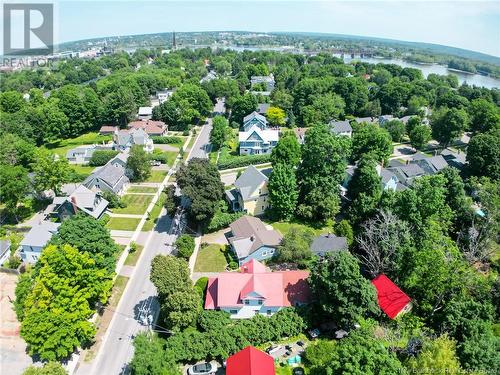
(171, 200)
(483, 155)
(354, 91)
(88, 235)
(16, 151)
(60, 303)
(14, 185)
(243, 106)
(296, 246)
(101, 157)
(340, 289)
(420, 135)
(138, 163)
(344, 229)
(182, 309)
(184, 245)
(283, 191)
(151, 358)
(51, 123)
(384, 242)
(324, 108)
(448, 125)
(437, 357)
(282, 99)
(11, 101)
(49, 171)
(396, 129)
(276, 116)
(169, 275)
(199, 181)
(192, 103)
(370, 138)
(287, 151)
(23, 289)
(485, 116)
(49, 368)
(322, 168)
(220, 132)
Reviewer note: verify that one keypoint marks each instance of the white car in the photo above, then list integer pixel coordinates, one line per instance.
(202, 369)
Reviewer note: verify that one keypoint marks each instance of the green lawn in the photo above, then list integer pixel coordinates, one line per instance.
(122, 223)
(132, 258)
(62, 146)
(141, 189)
(136, 204)
(283, 227)
(157, 176)
(155, 212)
(117, 291)
(211, 259)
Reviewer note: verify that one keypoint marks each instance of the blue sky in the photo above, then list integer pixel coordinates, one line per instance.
(473, 25)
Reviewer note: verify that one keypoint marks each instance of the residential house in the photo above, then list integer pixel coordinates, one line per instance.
(341, 128)
(256, 291)
(268, 81)
(454, 159)
(36, 239)
(4, 251)
(405, 119)
(125, 139)
(111, 177)
(83, 154)
(407, 173)
(164, 95)
(256, 141)
(300, 133)
(328, 243)
(254, 119)
(250, 361)
(250, 193)
(262, 108)
(392, 300)
(145, 113)
(432, 164)
(108, 130)
(81, 200)
(211, 75)
(385, 118)
(367, 120)
(250, 239)
(152, 128)
(388, 179)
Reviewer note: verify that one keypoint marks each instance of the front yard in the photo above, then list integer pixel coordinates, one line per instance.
(141, 189)
(211, 259)
(157, 176)
(136, 204)
(122, 223)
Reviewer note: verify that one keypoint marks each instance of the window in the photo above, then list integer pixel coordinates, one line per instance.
(247, 302)
(271, 251)
(269, 312)
(233, 311)
(260, 302)
(264, 253)
(262, 208)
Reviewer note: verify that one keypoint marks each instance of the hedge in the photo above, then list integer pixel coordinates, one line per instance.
(243, 161)
(222, 220)
(101, 157)
(166, 140)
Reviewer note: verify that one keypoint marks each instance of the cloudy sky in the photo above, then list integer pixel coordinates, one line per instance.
(473, 25)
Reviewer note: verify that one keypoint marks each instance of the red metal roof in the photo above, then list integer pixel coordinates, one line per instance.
(391, 299)
(250, 361)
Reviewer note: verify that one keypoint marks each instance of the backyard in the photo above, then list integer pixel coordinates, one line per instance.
(211, 258)
(136, 204)
(283, 227)
(61, 147)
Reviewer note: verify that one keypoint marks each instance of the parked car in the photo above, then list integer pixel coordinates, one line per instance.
(155, 163)
(205, 368)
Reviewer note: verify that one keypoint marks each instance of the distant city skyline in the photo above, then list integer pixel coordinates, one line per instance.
(472, 25)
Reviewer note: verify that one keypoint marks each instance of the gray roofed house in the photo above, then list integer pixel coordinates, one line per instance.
(36, 239)
(82, 199)
(388, 179)
(361, 120)
(341, 128)
(406, 174)
(83, 154)
(326, 243)
(211, 75)
(250, 239)
(384, 118)
(262, 108)
(112, 177)
(267, 80)
(254, 119)
(4, 250)
(432, 164)
(124, 139)
(250, 192)
(405, 119)
(145, 113)
(454, 159)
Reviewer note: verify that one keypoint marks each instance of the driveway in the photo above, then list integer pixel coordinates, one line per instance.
(216, 237)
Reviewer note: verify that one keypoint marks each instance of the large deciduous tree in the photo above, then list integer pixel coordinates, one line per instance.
(50, 172)
(283, 191)
(199, 180)
(287, 151)
(220, 132)
(242, 106)
(340, 289)
(14, 185)
(370, 138)
(324, 108)
(276, 116)
(420, 135)
(296, 246)
(483, 155)
(138, 163)
(485, 116)
(448, 124)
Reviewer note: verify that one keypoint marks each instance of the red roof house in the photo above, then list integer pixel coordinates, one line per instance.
(392, 300)
(108, 129)
(153, 128)
(250, 361)
(255, 290)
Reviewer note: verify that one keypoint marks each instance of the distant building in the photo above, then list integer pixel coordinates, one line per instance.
(211, 75)
(125, 139)
(368, 120)
(256, 291)
(83, 154)
(164, 95)
(300, 133)
(385, 118)
(36, 239)
(262, 108)
(328, 243)
(454, 159)
(432, 164)
(145, 113)
(250, 361)
(392, 300)
(152, 128)
(250, 193)
(108, 130)
(268, 81)
(341, 128)
(250, 239)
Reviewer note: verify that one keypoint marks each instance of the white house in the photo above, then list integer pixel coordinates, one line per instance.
(164, 95)
(145, 113)
(341, 128)
(124, 139)
(256, 141)
(36, 239)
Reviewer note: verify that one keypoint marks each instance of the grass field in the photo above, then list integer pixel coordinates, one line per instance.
(141, 189)
(136, 204)
(132, 258)
(283, 227)
(155, 212)
(61, 147)
(122, 223)
(157, 176)
(210, 259)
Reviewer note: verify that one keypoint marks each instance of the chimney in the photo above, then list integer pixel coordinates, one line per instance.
(252, 238)
(73, 202)
(407, 161)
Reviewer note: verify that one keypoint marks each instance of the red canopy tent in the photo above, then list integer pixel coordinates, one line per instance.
(250, 361)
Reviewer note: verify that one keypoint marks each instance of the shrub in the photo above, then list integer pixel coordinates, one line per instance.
(185, 246)
(133, 247)
(243, 161)
(13, 262)
(166, 140)
(158, 155)
(114, 200)
(233, 265)
(201, 286)
(185, 133)
(222, 219)
(101, 157)
(171, 200)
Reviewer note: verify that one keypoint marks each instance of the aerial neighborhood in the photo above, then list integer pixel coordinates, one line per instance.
(205, 210)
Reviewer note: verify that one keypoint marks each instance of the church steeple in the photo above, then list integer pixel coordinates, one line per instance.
(174, 44)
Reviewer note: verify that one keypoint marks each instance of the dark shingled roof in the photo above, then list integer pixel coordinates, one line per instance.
(327, 243)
